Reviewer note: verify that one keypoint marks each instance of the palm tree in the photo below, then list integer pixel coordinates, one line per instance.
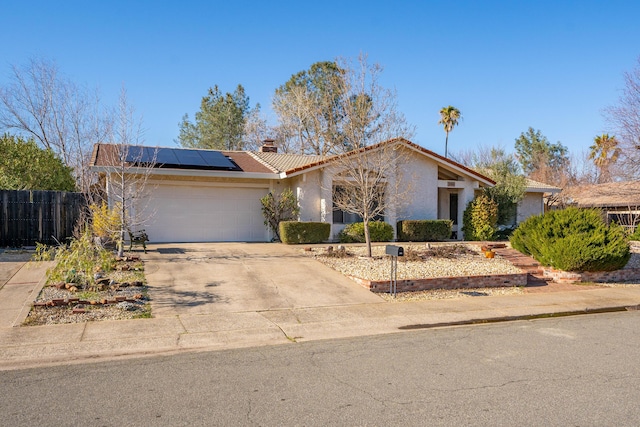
(449, 117)
(604, 152)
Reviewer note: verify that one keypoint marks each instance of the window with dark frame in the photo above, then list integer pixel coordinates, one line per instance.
(343, 217)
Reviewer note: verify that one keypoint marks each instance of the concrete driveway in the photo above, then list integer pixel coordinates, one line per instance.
(10, 263)
(205, 278)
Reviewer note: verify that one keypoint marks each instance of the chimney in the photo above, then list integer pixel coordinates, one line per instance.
(268, 146)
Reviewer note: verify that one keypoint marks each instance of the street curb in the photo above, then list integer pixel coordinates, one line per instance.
(500, 319)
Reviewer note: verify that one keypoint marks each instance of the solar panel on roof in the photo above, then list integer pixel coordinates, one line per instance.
(216, 159)
(190, 158)
(147, 155)
(133, 154)
(163, 157)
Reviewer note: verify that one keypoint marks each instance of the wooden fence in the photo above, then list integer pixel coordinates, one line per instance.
(27, 217)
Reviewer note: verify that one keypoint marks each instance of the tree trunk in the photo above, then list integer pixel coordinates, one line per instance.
(446, 146)
(367, 236)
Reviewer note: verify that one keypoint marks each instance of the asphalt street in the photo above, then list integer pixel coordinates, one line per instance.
(580, 370)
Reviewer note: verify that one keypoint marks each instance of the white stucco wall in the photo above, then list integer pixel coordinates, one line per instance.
(531, 204)
(425, 200)
(308, 192)
(422, 175)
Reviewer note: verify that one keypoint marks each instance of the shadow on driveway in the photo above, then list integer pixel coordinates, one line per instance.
(207, 278)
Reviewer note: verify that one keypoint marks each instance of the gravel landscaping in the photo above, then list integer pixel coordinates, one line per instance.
(438, 294)
(76, 313)
(123, 295)
(420, 261)
(436, 260)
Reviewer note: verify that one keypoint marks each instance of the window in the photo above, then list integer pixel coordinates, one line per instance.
(343, 217)
(628, 219)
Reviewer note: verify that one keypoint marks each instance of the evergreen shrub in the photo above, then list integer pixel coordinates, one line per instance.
(573, 239)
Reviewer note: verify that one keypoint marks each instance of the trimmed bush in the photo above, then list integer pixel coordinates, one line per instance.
(573, 239)
(636, 234)
(480, 219)
(378, 231)
(424, 230)
(294, 232)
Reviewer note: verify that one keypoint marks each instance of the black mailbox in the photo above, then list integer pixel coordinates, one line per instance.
(395, 250)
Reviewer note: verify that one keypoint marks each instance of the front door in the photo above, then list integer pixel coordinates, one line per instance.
(453, 213)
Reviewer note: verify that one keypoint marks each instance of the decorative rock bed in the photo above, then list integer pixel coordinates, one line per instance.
(119, 295)
(462, 269)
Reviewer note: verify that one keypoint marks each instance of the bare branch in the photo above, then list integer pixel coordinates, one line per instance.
(42, 104)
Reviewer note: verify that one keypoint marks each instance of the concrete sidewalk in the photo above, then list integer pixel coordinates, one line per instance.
(22, 347)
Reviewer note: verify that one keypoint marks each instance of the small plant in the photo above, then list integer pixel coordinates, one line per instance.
(105, 223)
(336, 253)
(441, 251)
(145, 313)
(78, 262)
(277, 208)
(411, 255)
(449, 251)
(378, 231)
(89, 295)
(44, 253)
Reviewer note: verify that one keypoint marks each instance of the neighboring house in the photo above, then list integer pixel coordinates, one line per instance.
(534, 200)
(205, 195)
(620, 201)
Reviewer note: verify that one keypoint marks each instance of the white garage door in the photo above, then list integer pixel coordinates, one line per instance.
(205, 214)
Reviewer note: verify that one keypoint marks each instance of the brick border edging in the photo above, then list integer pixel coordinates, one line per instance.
(622, 275)
(459, 282)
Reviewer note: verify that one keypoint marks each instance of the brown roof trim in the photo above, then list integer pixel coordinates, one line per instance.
(94, 155)
(394, 141)
(451, 162)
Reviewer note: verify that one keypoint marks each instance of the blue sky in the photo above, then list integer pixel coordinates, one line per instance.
(507, 65)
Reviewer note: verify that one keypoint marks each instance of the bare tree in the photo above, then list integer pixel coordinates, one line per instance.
(41, 103)
(294, 109)
(624, 118)
(309, 109)
(581, 169)
(367, 180)
(256, 130)
(370, 182)
(131, 166)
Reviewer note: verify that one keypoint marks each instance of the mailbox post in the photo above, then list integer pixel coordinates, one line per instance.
(394, 252)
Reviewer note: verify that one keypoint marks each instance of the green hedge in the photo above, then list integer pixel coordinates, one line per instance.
(636, 234)
(378, 231)
(573, 239)
(424, 230)
(293, 232)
